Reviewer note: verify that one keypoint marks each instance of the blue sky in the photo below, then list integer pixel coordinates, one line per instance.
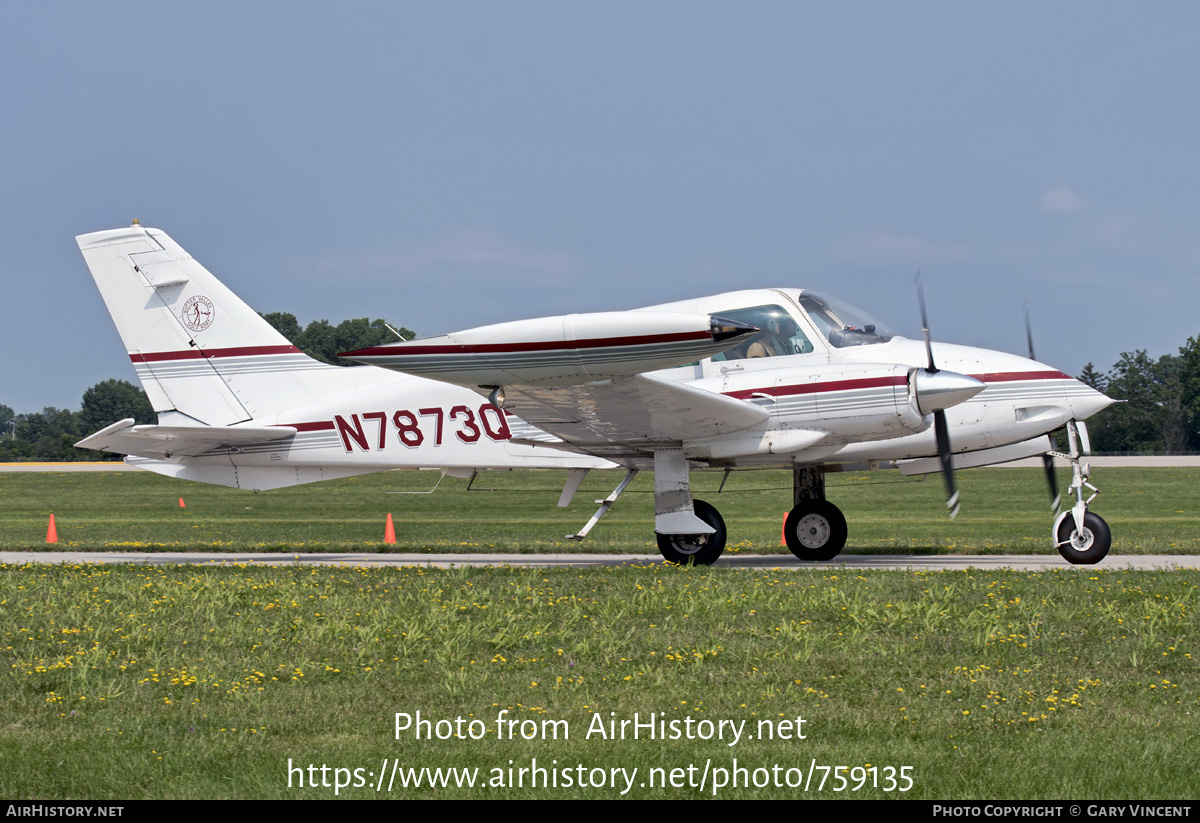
(446, 165)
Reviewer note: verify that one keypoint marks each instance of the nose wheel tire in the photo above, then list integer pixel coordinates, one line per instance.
(700, 549)
(1086, 547)
(815, 530)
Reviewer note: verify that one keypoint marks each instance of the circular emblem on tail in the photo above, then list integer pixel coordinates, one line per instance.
(198, 313)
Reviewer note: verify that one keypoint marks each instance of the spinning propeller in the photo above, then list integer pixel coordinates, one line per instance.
(936, 391)
(1047, 458)
(940, 429)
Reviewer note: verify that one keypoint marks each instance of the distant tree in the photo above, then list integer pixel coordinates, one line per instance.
(1090, 377)
(1150, 417)
(1189, 389)
(1134, 421)
(106, 403)
(8, 441)
(49, 435)
(360, 334)
(1173, 429)
(323, 341)
(320, 341)
(285, 323)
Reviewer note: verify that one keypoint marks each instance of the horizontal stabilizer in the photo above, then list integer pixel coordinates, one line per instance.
(124, 437)
(258, 478)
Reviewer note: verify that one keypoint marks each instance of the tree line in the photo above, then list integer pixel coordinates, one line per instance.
(50, 435)
(1159, 412)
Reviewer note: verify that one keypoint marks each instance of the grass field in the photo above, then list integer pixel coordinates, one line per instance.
(177, 682)
(1150, 511)
(128, 682)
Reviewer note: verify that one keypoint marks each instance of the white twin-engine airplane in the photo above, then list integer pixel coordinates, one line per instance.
(762, 378)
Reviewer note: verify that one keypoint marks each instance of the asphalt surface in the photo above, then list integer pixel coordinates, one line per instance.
(782, 562)
(941, 562)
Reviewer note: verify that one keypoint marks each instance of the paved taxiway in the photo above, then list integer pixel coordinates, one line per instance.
(940, 562)
(783, 562)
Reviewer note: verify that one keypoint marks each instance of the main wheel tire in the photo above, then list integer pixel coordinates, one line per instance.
(1087, 548)
(815, 530)
(701, 549)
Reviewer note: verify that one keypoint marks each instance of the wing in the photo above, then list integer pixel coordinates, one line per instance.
(583, 379)
(631, 416)
(560, 351)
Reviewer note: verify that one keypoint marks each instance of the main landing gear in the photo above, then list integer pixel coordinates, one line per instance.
(688, 531)
(1080, 536)
(701, 549)
(815, 529)
(692, 531)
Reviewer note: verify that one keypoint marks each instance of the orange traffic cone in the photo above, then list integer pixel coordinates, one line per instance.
(51, 532)
(182, 505)
(783, 531)
(389, 531)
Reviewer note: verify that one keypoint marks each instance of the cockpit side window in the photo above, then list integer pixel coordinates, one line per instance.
(779, 334)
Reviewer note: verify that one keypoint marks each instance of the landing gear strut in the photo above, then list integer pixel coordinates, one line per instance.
(815, 529)
(688, 531)
(1079, 535)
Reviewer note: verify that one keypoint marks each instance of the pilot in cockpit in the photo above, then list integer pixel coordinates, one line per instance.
(774, 342)
(780, 334)
(782, 337)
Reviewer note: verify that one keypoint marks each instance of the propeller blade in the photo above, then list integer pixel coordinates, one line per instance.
(940, 428)
(925, 324)
(1052, 480)
(943, 443)
(1029, 333)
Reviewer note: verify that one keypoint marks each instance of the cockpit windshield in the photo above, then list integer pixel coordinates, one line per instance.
(842, 324)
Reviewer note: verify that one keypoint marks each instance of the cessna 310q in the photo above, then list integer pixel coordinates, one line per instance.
(768, 377)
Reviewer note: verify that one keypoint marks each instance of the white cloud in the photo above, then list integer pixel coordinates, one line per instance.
(888, 246)
(1060, 201)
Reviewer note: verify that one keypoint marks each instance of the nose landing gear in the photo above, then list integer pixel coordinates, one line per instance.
(1080, 536)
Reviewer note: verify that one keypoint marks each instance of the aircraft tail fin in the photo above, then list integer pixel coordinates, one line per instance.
(198, 350)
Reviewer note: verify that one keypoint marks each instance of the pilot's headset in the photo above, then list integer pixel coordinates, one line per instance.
(789, 331)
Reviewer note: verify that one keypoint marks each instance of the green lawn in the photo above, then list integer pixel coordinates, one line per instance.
(127, 682)
(132, 682)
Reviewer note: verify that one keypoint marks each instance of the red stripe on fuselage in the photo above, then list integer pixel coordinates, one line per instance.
(1004, 376)
(812, 388)
(872, 382)
(549, 345)
(197, 354)
(318, 426)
